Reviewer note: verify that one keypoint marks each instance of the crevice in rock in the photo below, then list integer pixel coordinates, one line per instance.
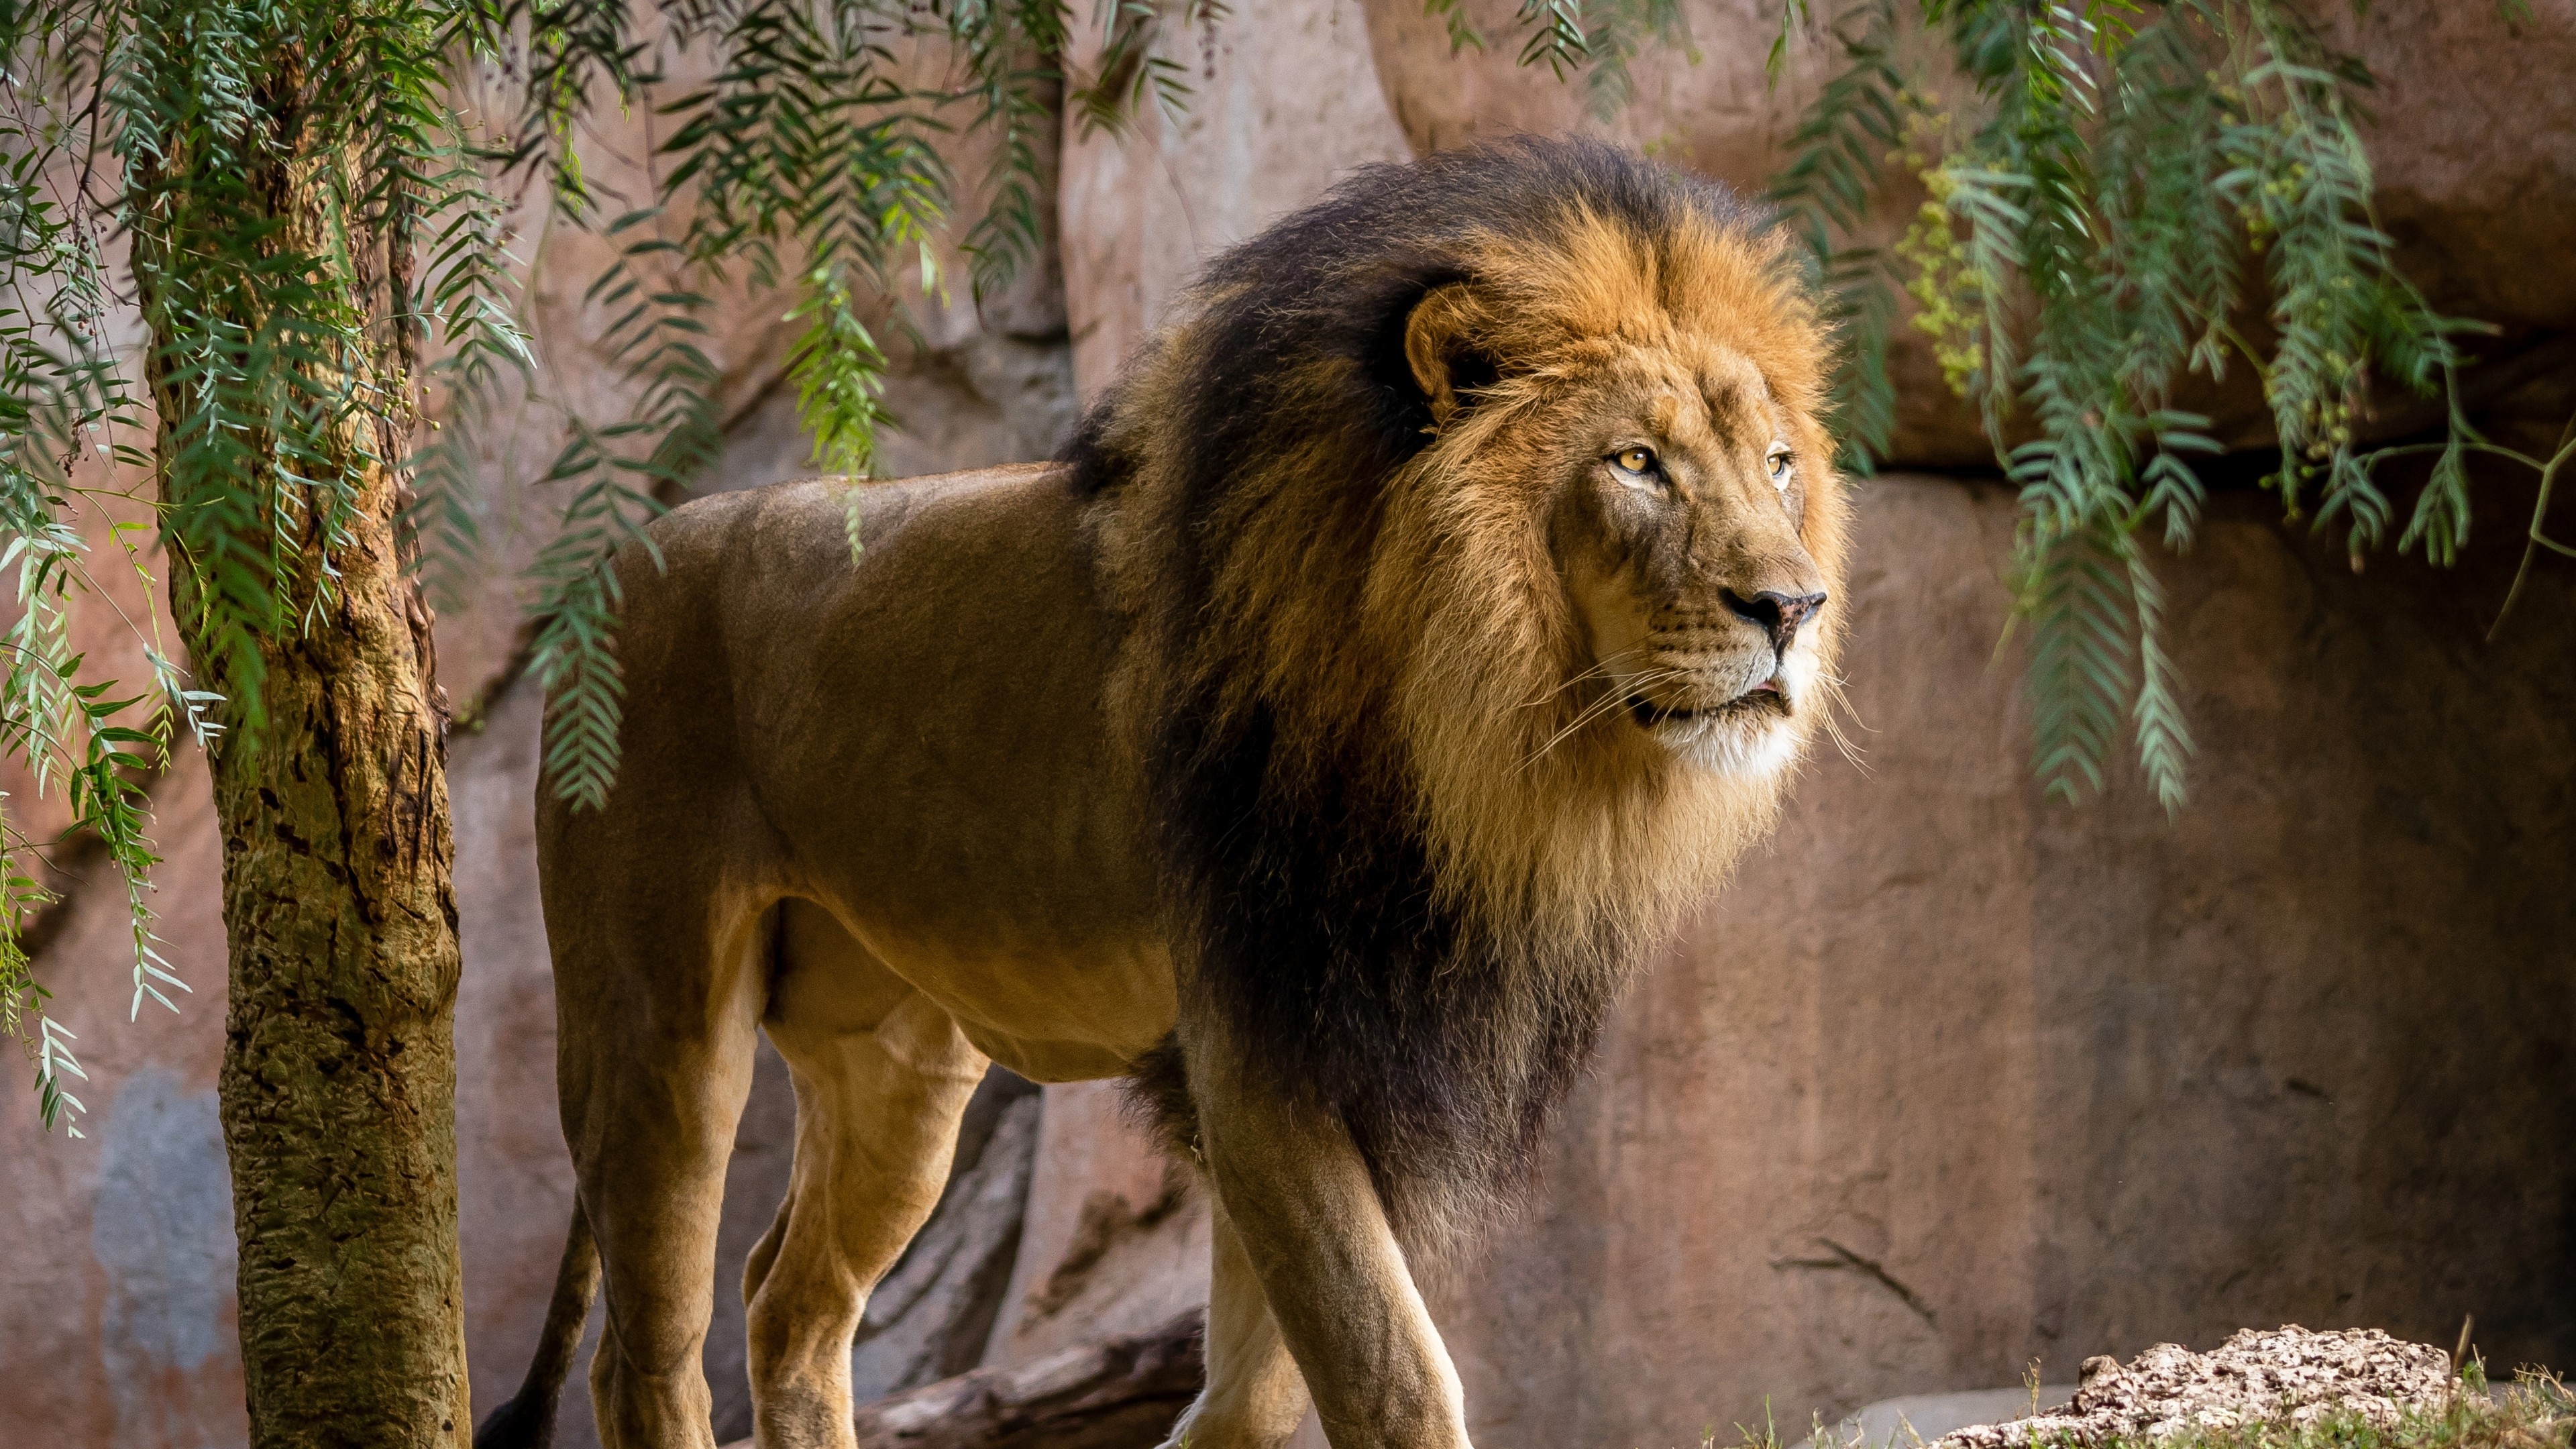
(1844, 1260)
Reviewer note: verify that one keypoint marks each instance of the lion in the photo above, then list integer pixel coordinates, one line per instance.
(1430, 614)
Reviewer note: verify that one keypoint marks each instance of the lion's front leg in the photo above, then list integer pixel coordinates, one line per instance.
(1254, 1397)
(1310, 1227)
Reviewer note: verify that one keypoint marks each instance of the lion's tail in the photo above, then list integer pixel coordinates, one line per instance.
(527, 1421)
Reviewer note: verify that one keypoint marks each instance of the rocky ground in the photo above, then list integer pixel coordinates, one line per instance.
(2352, 1387)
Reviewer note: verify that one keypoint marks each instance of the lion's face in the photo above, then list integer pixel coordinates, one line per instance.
(1653, 416)
(1680, 486)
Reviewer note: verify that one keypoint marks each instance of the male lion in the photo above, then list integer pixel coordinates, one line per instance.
(1427, 617)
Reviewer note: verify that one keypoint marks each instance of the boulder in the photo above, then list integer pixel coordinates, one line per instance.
(930, 1317)
(1119, 1392)
(1115, 1240)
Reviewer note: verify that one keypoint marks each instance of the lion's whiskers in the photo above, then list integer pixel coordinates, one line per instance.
(1612, 699)
(1833, 701)
(1600, 670)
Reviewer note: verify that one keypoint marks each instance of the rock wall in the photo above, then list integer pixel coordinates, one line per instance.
(2456, 81)
(1951, 1078)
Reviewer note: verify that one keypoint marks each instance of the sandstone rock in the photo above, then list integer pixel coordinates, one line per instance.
(1716, 111)
(929, 1319)
(2286, 1377)
(116, 1298)
(2471, 215)
(1284, 99)
(1115, 1239)
(970, 382)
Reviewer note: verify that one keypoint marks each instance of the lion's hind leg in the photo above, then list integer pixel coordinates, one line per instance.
(659, 1011)
(882, 1076)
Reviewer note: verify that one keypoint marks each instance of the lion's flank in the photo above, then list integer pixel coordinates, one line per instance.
(1405, 877)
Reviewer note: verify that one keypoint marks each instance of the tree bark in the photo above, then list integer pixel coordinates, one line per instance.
(339, 1076)
(339, 1072)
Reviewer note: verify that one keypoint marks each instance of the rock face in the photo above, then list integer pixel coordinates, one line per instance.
(928, 1320)
(2288, 1377)
(1115, 1391)
(116, 1307)
(1115, 1240)
(1952, 1077)
(1284, 99)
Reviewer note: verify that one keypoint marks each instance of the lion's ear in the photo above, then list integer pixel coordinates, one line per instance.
(1440, 344)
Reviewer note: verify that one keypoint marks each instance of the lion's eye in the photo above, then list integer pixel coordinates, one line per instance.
(1640, 461)
(1782, 464)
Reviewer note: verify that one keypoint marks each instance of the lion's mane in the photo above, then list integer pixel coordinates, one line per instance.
(1406, 878)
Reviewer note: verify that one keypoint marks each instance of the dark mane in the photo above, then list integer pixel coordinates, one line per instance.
(1311, 916)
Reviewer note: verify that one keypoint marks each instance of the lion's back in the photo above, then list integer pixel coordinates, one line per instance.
(930, 713)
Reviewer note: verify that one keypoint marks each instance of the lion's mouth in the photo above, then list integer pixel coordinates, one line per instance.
(1761, 699)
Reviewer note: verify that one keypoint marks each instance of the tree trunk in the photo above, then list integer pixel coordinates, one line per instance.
(339, 1073)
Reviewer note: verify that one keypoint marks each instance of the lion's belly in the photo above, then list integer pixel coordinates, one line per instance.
(1058, 1017)
(1035, 927)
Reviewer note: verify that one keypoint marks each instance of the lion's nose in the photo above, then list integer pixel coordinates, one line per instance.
(1776, 614)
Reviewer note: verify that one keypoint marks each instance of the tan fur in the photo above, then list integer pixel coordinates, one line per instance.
(899, 812)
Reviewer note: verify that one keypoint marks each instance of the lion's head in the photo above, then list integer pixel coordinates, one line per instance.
(1484, 545)
(1644, 407)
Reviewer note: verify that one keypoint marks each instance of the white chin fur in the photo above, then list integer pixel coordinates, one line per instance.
(1730, 748)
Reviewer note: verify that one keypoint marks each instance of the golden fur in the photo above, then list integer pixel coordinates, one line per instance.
(1321, 746)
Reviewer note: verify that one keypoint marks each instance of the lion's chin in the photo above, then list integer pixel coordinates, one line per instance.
(1755, 751)
(1753, 734)
(1750, 737)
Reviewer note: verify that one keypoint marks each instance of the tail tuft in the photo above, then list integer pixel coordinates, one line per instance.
(527, 1421)
(522, 1423)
